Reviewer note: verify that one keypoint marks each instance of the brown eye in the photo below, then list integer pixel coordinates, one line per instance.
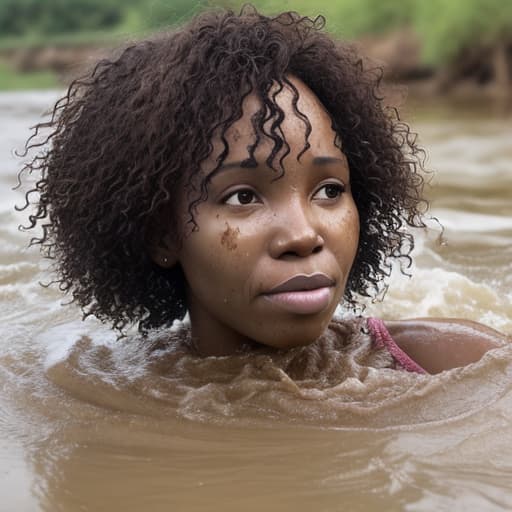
(332, 191)
(245, 196)
(329, 191)
(241, 197)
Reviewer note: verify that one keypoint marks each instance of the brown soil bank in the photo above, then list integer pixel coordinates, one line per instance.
(480, 70)
(66, 61)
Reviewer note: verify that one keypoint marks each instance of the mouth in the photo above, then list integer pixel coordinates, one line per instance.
(303, 294)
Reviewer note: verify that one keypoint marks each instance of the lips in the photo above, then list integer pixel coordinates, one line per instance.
(303, 294)
(303, 282)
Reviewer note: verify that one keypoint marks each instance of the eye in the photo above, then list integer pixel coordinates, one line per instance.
(329, 191)
(241, 197)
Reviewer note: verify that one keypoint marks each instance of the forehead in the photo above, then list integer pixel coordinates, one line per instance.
(295, 115)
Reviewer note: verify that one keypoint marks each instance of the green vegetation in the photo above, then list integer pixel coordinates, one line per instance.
(347, 18)
(28, 23)
(445, 27)
(20, 17)
(13, 80)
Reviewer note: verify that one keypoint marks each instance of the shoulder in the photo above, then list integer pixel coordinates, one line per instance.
(439, 344)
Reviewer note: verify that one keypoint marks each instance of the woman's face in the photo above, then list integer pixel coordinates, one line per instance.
(270, 258)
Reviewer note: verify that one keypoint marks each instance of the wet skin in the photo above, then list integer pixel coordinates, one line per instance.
(255, 232)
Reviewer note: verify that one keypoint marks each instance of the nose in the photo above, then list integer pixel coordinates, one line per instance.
(294, 233)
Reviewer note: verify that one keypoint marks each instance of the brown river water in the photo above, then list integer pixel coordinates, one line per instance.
(89, 423)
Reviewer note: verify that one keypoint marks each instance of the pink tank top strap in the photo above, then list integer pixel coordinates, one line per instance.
(383, 340)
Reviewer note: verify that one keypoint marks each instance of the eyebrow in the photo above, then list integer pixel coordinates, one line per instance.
(251, 164)
(248, 163)
(325, 160)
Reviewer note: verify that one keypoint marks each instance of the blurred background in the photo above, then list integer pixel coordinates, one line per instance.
(69, 437)
(456, 47)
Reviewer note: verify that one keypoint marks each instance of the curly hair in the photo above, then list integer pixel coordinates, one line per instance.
(131, 135)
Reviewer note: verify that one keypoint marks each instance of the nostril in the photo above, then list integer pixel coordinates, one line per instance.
(300, 253)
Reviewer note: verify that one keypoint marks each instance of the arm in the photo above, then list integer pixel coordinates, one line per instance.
(439, 344)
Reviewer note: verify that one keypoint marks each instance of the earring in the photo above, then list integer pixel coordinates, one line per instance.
(166, 260)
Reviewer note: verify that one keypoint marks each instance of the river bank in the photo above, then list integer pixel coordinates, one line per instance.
(477, 72)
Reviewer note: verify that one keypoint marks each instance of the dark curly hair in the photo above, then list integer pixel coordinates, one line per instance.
(131, 135)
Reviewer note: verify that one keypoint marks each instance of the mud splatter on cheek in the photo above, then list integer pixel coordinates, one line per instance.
(236, 135)
(229, 237)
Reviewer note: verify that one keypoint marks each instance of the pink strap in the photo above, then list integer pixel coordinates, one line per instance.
(383, 339)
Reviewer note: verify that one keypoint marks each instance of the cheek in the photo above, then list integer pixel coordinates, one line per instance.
(347, 236)
(355, 229)
(214, 252)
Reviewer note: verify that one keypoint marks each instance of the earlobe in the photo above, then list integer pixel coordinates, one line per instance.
(163, 253)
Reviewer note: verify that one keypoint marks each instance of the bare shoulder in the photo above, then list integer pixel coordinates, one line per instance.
(439, 344)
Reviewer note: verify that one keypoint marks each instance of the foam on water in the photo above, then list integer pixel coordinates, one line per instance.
(474, 223)
(437, 292)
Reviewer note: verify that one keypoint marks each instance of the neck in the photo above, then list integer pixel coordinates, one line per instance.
(207, 344)
(214, 338)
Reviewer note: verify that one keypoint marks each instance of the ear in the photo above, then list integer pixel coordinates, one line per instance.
(163, 251)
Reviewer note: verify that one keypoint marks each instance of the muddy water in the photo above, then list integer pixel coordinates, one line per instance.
(91, 423)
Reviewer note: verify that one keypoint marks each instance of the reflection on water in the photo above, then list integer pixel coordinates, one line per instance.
(88, 422)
